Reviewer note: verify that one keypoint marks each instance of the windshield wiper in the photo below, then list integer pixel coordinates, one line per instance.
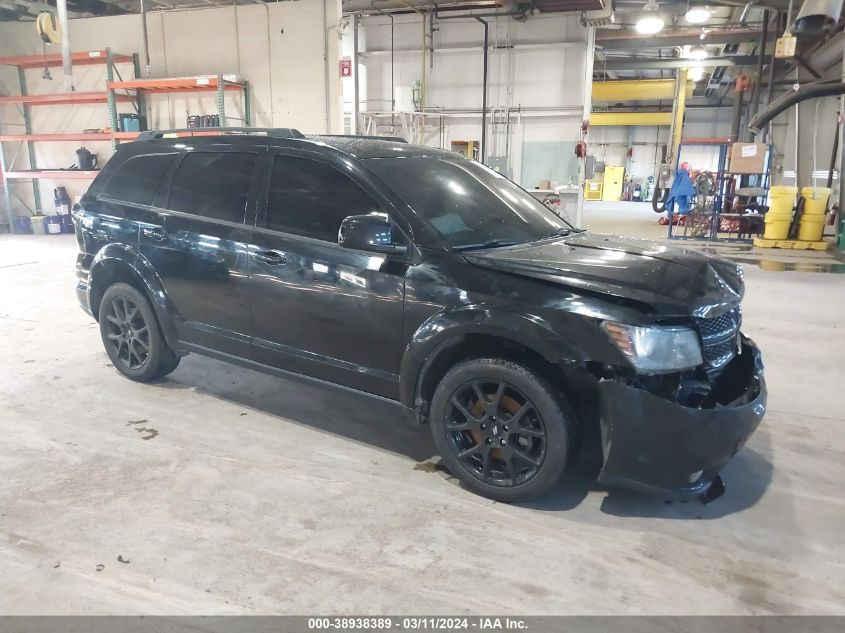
(488, 244)
(564, 231)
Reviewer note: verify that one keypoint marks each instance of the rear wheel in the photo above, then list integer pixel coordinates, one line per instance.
(501, 428)
(131, 335)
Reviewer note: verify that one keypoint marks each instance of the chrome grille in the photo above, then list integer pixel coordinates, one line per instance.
(719, 339)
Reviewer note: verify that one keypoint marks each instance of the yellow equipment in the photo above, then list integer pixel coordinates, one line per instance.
(779, 215)
(811, 227)
(614, 176)
(592, 190)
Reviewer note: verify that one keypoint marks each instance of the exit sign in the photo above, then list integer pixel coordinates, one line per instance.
(346, 67)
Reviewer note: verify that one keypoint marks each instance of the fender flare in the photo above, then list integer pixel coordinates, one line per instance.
(123, 255)
(446, 329)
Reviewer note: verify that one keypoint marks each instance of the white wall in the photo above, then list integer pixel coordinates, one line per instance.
(536, 69)
(277, 47)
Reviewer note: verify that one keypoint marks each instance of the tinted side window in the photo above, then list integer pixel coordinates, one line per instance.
(137, 179)
(213, 184)
(310, 198)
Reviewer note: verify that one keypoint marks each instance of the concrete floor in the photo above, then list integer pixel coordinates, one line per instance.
(227, 491)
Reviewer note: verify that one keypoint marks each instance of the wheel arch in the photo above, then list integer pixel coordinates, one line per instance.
(480, 332)
(118, 263)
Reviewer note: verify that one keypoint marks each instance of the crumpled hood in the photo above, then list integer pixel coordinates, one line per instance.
(673, 281)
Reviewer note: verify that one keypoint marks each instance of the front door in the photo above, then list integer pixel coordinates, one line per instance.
(196, 241)
(320, 309)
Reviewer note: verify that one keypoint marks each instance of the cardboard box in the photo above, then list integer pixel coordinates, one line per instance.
(748, 158)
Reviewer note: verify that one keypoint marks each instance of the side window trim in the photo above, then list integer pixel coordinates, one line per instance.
(262, 219)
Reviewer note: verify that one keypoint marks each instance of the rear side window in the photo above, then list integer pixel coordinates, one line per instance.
(137, 179)
(311, 199)
(214, 185)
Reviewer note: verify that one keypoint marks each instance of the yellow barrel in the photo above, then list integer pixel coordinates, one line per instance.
(815, 200)
(779, 215)
(811, 228)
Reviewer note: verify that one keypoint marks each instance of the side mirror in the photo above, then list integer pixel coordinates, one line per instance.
(370, 232)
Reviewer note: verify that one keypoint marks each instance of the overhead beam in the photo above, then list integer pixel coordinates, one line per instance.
(626, 42)
(637, 90)
(642, 63)
(630, 118)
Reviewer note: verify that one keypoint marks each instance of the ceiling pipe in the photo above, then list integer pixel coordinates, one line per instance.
(805, 92)
(829, 54)
(146, 38)
(67, 64)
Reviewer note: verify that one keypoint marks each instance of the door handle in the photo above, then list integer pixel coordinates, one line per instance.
(156, 235)
(272, 258)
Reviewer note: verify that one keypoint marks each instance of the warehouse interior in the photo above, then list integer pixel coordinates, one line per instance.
(713, 127)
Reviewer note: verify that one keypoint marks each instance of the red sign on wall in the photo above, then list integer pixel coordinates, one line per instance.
(346, 67)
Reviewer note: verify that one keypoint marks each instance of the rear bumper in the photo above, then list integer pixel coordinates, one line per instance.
(658, 446)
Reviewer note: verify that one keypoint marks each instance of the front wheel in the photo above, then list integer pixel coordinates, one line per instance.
(501, 428)
(131, 335)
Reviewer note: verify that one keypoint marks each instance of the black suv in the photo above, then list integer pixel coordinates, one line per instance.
(417, 275)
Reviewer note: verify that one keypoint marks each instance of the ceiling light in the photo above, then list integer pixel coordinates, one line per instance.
(696, 73)
(697, 15)
(699, 53)
(650, 24)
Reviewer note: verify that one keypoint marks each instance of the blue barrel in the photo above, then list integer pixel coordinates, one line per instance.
(23, 225)
(52, 224)
(67, 223)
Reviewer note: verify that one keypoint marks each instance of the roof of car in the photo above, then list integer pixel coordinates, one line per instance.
(368, 147)
(362, 147)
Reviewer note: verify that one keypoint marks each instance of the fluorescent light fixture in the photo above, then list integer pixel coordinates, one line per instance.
(649, 24)
(697, 15)
(699, 53)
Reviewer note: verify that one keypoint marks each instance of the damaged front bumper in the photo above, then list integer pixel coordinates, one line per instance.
(658, 446)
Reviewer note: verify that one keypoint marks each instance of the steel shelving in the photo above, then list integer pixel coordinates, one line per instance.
(27, 101)
(203, 83)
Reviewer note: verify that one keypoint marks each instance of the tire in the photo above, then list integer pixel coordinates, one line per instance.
(135, 345)
(513, 445)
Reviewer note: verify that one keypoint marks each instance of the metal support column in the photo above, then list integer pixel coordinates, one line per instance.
(678, 114)
(221, 100)
(483, 153)
(140, 101)
(356, 87)
(587, 106)
(758, 79)
(7, 191)
(247, 110)
(27, 122)
(111, 100)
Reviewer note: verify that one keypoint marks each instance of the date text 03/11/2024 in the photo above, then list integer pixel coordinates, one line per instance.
(416, 623)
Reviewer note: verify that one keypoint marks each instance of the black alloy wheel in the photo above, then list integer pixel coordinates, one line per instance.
(501, 428)
(496, 432)
(132, 336)
(128, 333)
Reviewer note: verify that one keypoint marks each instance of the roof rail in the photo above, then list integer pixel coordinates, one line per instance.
(372, 137)
(274, 132)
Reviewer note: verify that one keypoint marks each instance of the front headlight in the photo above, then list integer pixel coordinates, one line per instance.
(656, 349)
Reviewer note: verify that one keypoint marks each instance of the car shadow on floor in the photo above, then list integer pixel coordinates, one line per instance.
(353, 415)
(388, 426)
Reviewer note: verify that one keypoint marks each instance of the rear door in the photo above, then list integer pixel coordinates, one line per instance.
(196, 239)
(318, 308)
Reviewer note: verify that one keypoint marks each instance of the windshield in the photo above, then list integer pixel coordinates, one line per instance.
(468, 204)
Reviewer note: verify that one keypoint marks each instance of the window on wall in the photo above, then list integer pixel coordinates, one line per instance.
(214, 185)
(311, 199)
(137, 180)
